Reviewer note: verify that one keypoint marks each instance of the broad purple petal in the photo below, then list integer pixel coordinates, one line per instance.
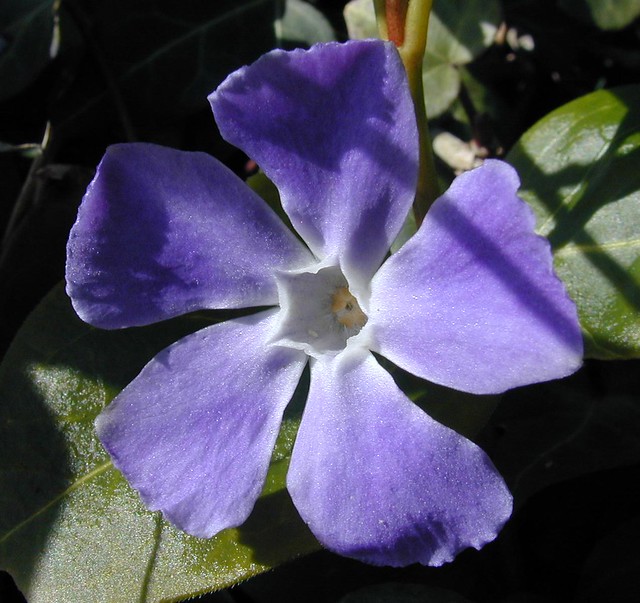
(471, 301)
(162, 232)
(377, 479)
(334, 128)
(194, 432)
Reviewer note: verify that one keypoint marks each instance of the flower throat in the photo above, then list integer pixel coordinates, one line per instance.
(319, 312)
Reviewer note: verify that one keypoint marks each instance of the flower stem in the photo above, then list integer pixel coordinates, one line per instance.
(405, 23)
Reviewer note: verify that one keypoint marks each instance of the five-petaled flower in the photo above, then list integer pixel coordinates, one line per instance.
(470, 302)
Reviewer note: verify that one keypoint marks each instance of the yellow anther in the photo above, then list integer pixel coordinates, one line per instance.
(347, 310)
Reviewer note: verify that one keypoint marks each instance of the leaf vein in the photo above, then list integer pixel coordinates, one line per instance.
(74, 486)
(577, 248)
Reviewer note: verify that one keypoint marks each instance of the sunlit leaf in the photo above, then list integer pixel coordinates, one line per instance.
(71, 529)
(579, 171)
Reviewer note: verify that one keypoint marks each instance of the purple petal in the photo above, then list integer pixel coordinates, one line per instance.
(334, 128)
(379, 480)
(162, 232)
(471, 301)
(195, 430)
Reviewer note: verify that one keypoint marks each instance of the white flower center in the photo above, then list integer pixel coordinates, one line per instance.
(319, 313)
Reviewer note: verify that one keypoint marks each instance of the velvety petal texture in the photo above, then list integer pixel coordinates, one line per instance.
(334, 129)
(162, 232)
(379, 480)
(194, 432)
(471, 301)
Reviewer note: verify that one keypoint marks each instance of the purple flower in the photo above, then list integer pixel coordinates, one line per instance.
(470, 302)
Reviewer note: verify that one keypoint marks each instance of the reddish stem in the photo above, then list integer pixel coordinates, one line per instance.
(396, 14)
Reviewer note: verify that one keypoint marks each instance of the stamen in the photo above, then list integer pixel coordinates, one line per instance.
(347, 310)
(318, 312)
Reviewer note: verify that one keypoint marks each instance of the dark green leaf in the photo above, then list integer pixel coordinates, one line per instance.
(71, 529)
(551, 432)
(261, 185)
(579, 171)
(606, 14)
(26, 31)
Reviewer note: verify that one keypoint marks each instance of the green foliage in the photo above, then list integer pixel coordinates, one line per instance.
(71, 529)
(26, 32)
(605, 14)
(553, 432)
(579, 171)
(459, 31)
(303, 23)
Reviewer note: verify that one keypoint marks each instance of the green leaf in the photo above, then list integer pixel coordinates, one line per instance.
(459, 31)
(303, 23)
(579, 171)
(441, 81)
(71, 529)
(551, 432)
(606, 14)
(25, 42)
(360, 17)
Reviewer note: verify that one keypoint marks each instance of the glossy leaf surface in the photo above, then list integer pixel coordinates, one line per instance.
(71, 529)
(579, 171)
